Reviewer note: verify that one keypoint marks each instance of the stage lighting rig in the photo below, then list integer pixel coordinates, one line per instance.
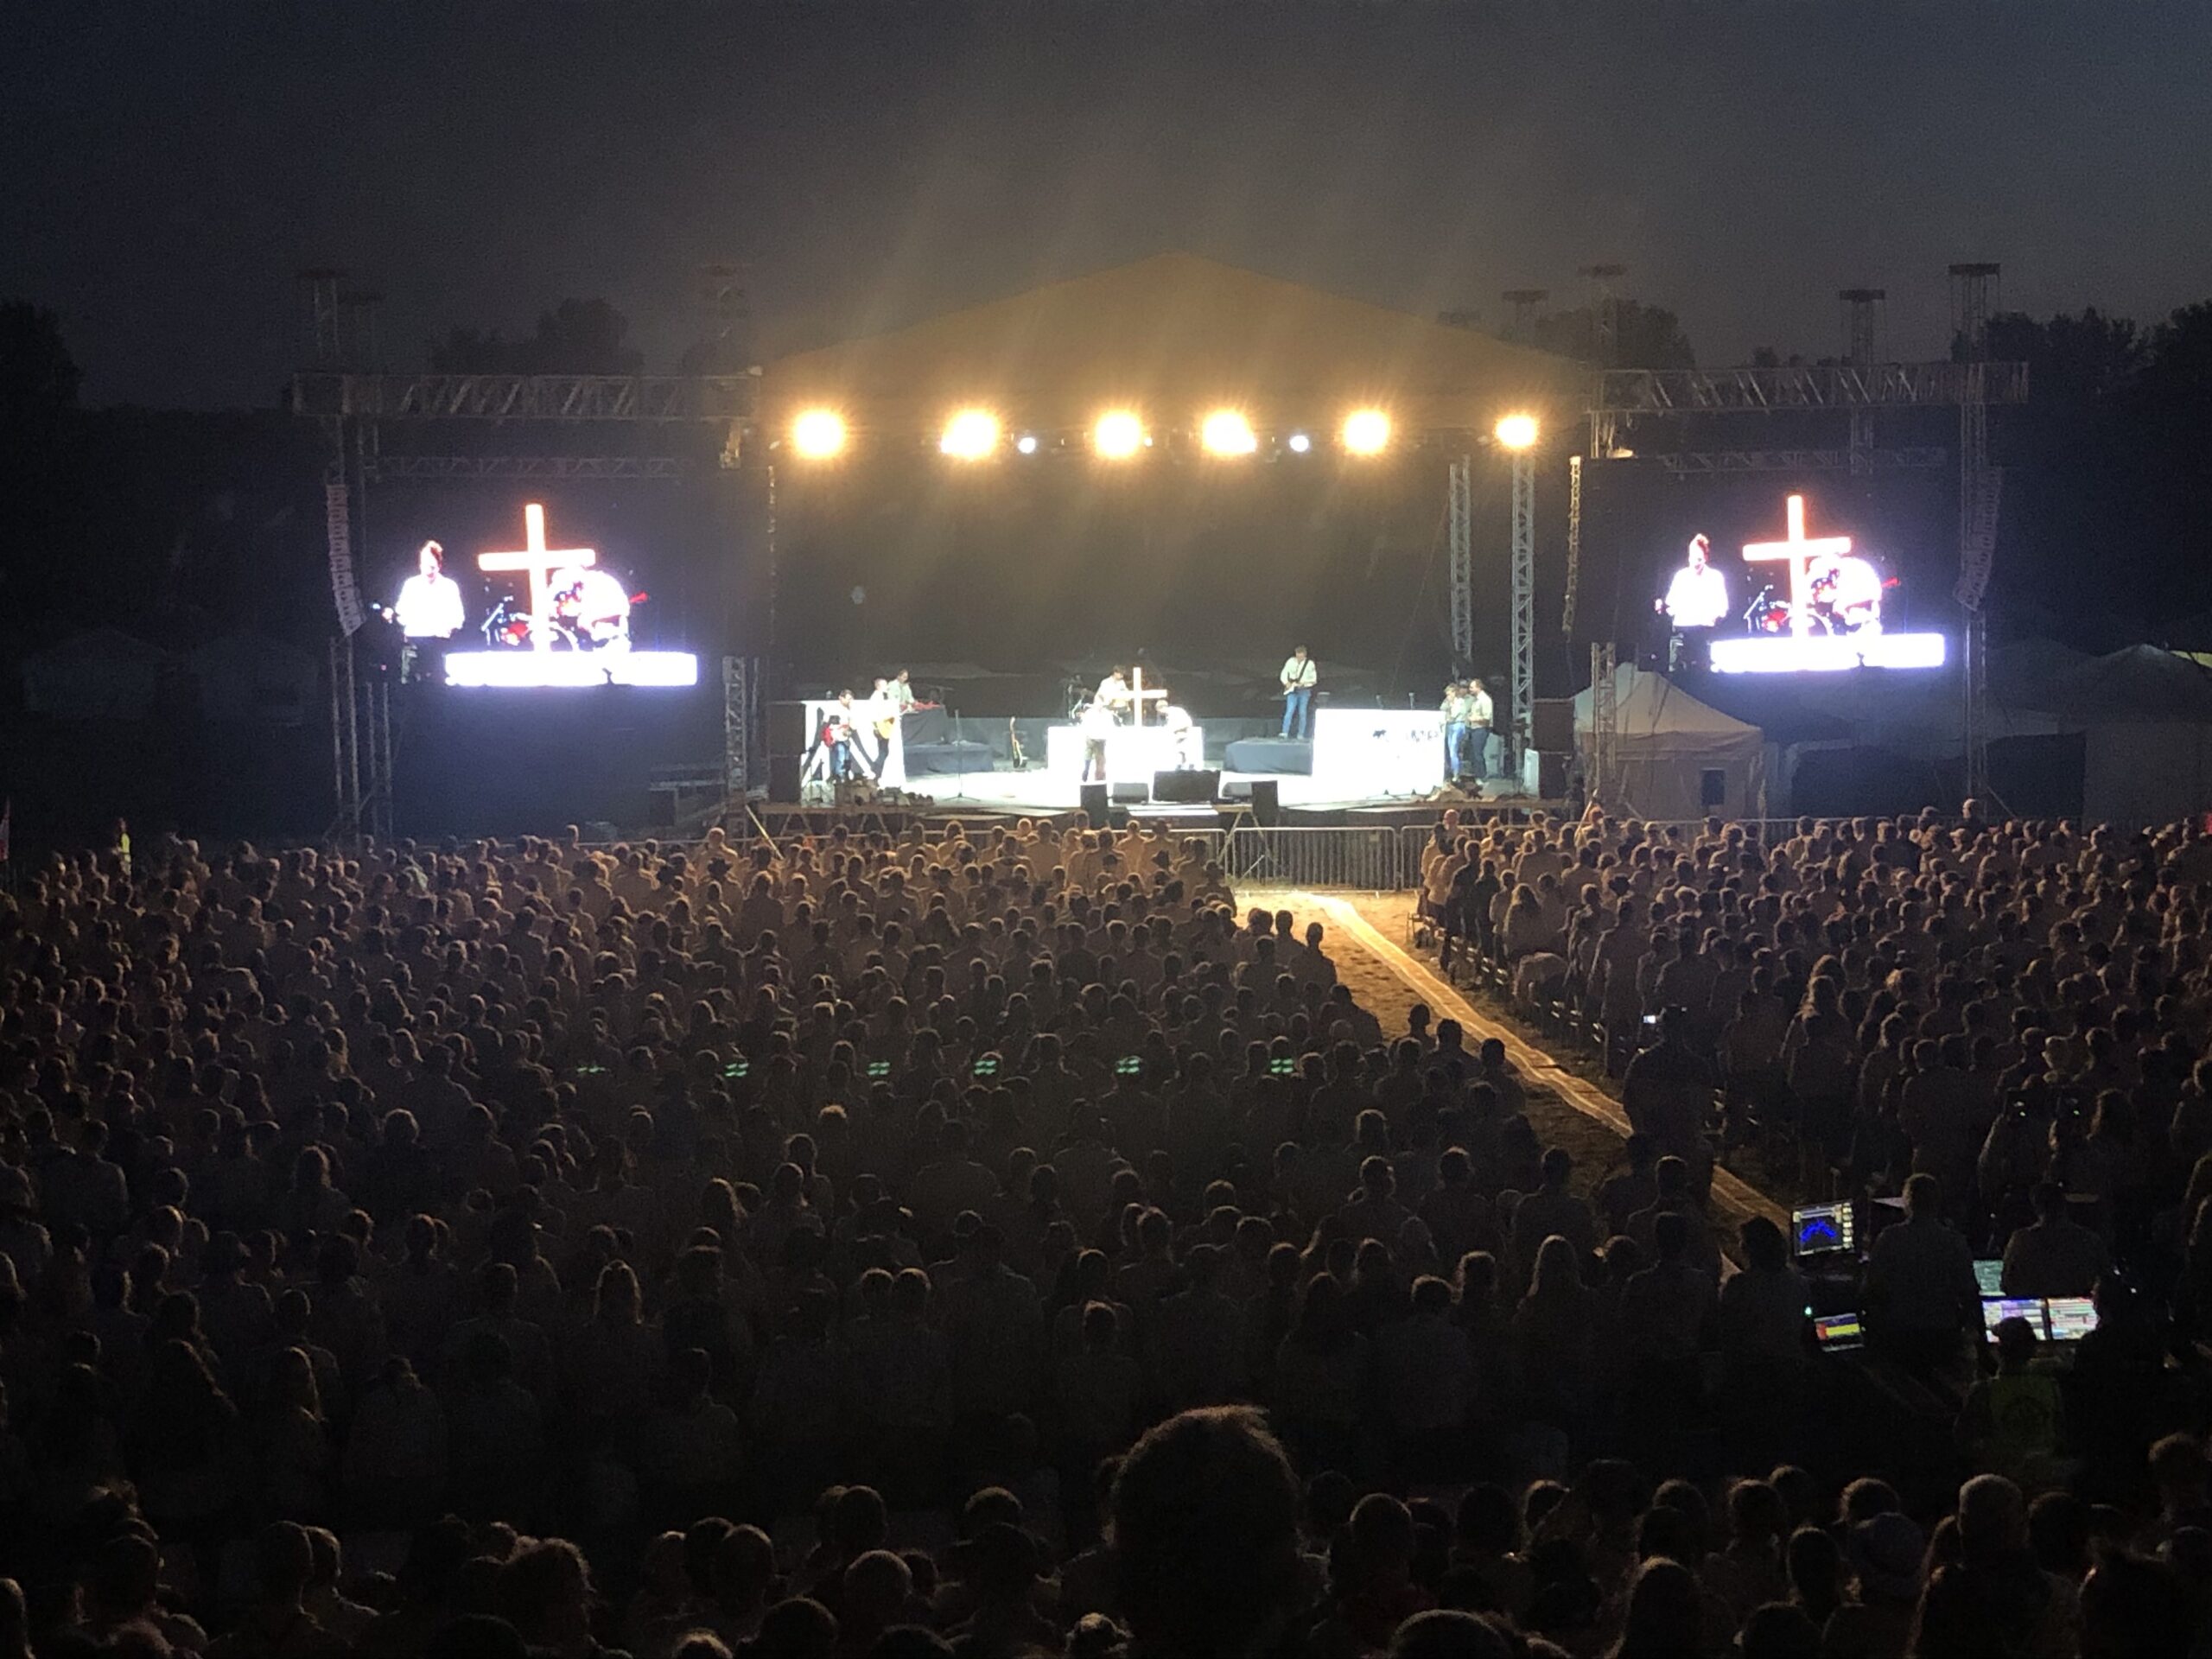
(1118, 435)
(818, 434)
(1367, 432)
(1516, 431)
(1226, 432)
(971, 434)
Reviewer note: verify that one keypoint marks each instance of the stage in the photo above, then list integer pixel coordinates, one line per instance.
(1038, 791)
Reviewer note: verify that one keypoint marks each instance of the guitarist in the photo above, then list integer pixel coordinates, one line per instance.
(1300, 675)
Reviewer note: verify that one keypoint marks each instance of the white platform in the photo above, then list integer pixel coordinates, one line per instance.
(1826, 654)
(1133, 752)
(522, 669)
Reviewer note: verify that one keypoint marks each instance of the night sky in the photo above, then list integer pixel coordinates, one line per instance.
(168, 166)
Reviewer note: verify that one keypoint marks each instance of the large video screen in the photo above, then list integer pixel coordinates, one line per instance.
(535, 615)
(1793, 603)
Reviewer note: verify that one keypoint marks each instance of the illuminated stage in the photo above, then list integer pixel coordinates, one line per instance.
(1039, 790)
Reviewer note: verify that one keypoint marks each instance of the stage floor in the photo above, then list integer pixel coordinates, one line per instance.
(1040, 791)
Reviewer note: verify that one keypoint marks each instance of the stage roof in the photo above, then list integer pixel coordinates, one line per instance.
(1172, 336)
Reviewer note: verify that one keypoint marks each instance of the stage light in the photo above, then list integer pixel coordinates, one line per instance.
(818, 434)
(1225, 432)
(1517, 431)
(1367, 432)
(1027, 444)
(971, 434)
(1118, 435)
(1299, 443)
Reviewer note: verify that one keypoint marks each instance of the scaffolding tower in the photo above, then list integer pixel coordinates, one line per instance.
(1461, 560)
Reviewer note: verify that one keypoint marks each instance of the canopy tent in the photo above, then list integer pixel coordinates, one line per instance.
(1676, 757)
(1170, 337)
(2146, 718)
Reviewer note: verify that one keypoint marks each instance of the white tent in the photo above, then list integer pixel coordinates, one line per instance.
(1676, 757)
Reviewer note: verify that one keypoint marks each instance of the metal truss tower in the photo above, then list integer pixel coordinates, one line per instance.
(1862, 310)
(1461, 559)
(1523, 676)
(1573, 543)
(1973, 297)
(1602, 779)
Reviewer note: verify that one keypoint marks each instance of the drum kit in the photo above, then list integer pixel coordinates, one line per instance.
(1770, 613)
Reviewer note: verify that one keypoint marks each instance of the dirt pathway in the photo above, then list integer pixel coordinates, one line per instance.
(1368, 941)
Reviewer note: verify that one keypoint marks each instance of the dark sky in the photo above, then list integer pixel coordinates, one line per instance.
(168, 166)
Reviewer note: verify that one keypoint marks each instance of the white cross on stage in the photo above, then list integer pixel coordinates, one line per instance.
(1801, 553)
(540, 561)
(1138, 694)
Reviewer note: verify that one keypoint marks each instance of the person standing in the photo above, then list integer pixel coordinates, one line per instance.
(1454, 709)
(1480, 714)
(1299, 676)
(430, 605)
(1113, 695)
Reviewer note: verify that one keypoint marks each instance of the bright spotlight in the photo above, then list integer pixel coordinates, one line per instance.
(818, 434)
(1027, 444)
(1367, 432)
(1299, 443)
(1118, 435)
(1225, 432)
(970, 435)
(1517, 431)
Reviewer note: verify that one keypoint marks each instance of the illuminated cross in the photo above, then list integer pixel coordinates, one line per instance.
(1801, 553)
(540, 561)
(1138, 694)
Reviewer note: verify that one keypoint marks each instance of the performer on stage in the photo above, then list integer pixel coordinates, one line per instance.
(1113, 694)
(1097, 721)
(1698, 596)
(1300, 673)
(1481, 715)
(591, 611)
(1455, 708)
(429, 606)
(841, 730)
(902, 691)
(1846, 595)
(1181, 730)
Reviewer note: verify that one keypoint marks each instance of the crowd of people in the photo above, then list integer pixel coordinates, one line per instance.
(989, 1242)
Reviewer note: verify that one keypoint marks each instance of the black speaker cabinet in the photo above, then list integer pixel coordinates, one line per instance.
(1094, 803)
(1551, 775)
(1266, 802)
(1553, 727)
(783, 778)
(787, 732)
(1130, 794)
(1185, 788)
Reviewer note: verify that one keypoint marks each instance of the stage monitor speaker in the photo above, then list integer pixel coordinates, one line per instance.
(1266, 802)
(1093, 800)
(783, 778)
(1551, 775)
(1185, 788)
(787, 732)
(1129, 794)
(1553, 726)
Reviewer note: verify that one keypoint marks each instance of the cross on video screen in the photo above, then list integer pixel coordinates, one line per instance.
(536, 607)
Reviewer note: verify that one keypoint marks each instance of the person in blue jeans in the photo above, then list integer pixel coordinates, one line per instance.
(1300, 675)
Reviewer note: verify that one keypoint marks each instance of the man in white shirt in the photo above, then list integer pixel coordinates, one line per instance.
(1698, 596)
(1299, 676)
(429, 606)
(1481, 715)
(1113, 695)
